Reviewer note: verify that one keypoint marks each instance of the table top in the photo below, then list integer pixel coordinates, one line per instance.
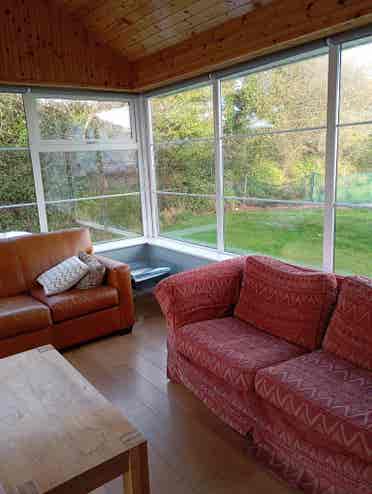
(54, 425)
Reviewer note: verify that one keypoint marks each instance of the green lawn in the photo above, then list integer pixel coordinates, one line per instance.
(293, 234)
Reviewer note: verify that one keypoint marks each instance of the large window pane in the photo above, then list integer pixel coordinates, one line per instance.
(70, 175)
(356, 93)
(13, 128)
(354, 183)
(353, 241)
(19, 219)
(184, 115)
(107, 219)
(290, 232)
(83, 120)
(277, 166)
(16, 178)
(291, 96)
(187, 167)
(192, 219)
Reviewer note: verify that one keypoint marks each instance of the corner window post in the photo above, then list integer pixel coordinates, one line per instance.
(29, 102)
(217, 112)
(331, 155)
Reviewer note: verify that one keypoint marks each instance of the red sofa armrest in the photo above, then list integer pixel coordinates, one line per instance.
(205, 293)
(118, 276)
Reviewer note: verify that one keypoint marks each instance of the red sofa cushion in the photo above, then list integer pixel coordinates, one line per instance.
(287, 301)
(327, 395)
(232, 350)
(349, 334)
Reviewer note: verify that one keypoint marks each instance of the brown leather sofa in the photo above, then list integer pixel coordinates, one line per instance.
(28, 318)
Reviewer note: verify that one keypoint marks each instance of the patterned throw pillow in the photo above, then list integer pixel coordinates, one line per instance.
(349, 334)
(62, 276)
(287, 301)
(96, 272)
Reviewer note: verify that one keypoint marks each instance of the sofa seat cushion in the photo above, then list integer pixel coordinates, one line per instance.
(349, 334)
(232, 350)
(75, 302)
(22, 314)
(326, 395)
(287, 301)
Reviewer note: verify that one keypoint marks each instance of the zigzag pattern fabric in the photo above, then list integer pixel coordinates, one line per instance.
(286, 301)
(310, 417)
(328, 395)
(350, 332)
(232, 350)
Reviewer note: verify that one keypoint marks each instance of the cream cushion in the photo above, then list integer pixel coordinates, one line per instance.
(63, 276)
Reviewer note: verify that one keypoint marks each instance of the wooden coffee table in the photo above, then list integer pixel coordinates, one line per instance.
(58, 434)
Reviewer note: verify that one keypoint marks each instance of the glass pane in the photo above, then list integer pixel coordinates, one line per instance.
(356, 91)
(16, 178)
(291, 96)
(19, 219)
(108, 219)
(293, 233)
(184, 115)
(277, 166)
(186, 167)
(354, 180)
(81, 120)
(89, 173)
(188, 218)
(353, 241)
(13, 128)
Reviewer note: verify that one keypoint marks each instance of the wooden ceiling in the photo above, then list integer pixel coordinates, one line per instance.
(135, 45)
(136, 28)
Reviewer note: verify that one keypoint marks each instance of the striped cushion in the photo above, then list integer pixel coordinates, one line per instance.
(96, 272)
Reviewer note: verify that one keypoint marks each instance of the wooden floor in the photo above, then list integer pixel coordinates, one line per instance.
(191, 451)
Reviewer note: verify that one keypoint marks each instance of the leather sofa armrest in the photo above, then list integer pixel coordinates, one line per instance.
(118, 276)
(209, 292)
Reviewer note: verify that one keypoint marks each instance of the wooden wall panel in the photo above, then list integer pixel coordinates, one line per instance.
(280, 24)
(41, 45)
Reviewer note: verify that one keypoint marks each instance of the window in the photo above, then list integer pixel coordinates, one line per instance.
(183, 151)
(79, 166)
(18, 208)
(274, 129)
(353, 237)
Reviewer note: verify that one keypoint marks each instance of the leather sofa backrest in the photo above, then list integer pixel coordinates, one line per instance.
(12, 281)
(40, 252)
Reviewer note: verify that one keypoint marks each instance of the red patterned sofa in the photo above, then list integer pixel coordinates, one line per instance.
(284, 354)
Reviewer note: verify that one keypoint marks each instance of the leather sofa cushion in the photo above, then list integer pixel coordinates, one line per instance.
(349, 334)
(76, 303)
(324, 394)
(232, 350)
(287, 301)
(12, 281)
(40, 252)
(22, 314)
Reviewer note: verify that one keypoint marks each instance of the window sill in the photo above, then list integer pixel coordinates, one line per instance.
(119, 244)
(176, 245)
(189, 249)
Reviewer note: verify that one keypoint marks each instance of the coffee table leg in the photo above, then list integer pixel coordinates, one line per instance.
(136, 479)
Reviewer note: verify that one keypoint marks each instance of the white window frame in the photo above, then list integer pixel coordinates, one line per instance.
(155, 192)
(38, 145)
(331, 129)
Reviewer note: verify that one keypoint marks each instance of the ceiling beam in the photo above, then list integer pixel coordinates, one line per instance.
(41, 45)
(278, 25)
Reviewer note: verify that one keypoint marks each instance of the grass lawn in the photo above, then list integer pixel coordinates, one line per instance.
(293, 234)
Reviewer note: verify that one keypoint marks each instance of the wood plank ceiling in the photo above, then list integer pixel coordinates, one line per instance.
(136, 45)
(136, 28)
